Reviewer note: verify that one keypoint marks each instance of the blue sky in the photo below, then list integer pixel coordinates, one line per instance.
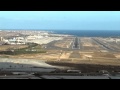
(70, 20)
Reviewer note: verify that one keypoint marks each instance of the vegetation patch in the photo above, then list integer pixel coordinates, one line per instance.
(31, 49)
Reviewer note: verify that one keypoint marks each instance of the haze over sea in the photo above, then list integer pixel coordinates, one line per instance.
(90, 33)
(80, 33)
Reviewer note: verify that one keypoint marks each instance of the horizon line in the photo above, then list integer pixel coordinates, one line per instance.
(50, 29)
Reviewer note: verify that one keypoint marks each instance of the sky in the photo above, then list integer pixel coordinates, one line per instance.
(60, 20)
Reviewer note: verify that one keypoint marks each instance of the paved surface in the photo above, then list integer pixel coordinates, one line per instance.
(7, 64)
(76, 43)
(74, 77)
(51, 46)
(57, 77)
(105, 45)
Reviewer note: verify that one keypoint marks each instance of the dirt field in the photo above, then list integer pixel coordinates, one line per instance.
(98, 54)
(51, 55)
(75, 54)
(87, 68)
(106, 55)
(84, 58)
(117, 55)
(65, 55)
(92, 53)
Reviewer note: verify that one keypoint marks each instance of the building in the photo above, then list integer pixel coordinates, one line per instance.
(17, 40)
(1, 38)
(34, 37)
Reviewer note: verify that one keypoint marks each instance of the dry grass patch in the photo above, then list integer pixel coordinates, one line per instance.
(6, 47)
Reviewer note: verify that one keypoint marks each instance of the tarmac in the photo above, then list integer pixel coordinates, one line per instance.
(28, 65)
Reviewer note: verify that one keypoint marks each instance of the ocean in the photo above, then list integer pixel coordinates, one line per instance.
(89, 33)
(82, 33)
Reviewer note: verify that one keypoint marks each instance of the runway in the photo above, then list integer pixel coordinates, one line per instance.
(76, 43)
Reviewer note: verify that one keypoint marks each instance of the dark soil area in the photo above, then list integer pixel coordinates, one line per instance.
(5, 73)
(86, 68)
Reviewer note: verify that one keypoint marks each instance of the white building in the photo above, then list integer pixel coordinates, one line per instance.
(16, 40)
(1, 39)
(34, 37)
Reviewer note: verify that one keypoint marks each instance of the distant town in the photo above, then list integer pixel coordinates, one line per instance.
(13, 37)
